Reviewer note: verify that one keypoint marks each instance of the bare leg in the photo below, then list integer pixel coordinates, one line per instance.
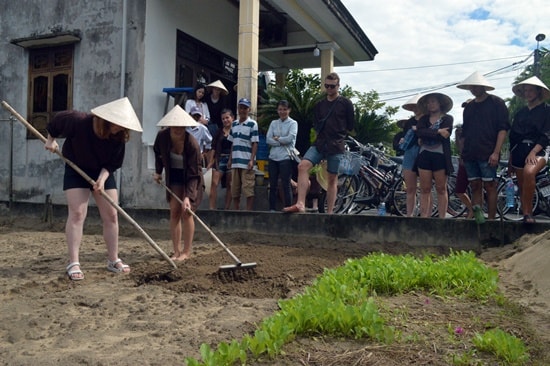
(228, 190)
(425, 192)
(303, 182)
(527, 176)
(250, 203)
(465, 199)
(216, 175)
(441, 188)
(410, 177)
(491, 189)
(175, 221)
(109, 217)
(77, 201)
(188, 234)
(331, 192)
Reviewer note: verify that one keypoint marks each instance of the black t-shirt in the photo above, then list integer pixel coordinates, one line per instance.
(482, 123)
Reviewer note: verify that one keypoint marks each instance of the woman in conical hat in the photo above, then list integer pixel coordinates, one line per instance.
(177, 153)
(216, 101)
(529, 139)
(95, 142)
(434, 157)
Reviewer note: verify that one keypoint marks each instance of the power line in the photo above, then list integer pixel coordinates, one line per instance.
(431, 66)
(411, 92)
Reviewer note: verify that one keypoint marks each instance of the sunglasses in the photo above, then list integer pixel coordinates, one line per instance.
(330, 86)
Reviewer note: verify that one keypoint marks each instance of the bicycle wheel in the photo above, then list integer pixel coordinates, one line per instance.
(362, 200)
(512, 213)
(347, 189)
(400, 197)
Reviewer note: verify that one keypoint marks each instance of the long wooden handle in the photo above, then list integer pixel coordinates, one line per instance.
(203, 225)
(35, 132)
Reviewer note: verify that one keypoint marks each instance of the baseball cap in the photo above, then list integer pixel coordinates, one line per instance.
(195, 110)
(245, 102)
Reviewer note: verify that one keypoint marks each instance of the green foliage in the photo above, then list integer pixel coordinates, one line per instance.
(503, 345)
(340, 303)
(303, 92)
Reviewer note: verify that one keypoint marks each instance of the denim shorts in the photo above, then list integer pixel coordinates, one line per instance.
(409, 157)
(222, 164)
(333, 160)
(480, 169)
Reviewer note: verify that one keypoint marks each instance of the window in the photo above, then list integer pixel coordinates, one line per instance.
(50, 84)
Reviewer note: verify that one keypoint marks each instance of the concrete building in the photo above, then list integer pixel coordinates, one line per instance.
(57, 55)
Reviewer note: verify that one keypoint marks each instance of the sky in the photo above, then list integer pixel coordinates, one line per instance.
(423, 44)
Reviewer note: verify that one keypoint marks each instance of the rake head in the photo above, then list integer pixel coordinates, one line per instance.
(237, 267)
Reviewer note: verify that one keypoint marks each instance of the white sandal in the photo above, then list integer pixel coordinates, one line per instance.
(112, 266)
(72, 272)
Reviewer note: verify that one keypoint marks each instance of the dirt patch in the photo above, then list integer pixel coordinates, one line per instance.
(158, 316)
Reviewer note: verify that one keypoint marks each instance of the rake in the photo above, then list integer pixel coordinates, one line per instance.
(224, 268)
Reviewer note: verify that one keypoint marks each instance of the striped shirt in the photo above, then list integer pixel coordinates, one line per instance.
(242, 135)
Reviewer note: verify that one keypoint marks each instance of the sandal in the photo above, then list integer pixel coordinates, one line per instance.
(113, 266)
(74, 274)
(528, 219)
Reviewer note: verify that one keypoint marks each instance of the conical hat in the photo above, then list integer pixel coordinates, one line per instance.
(519, 90)
(411, 103)
(120, 112)
(445, 102)
(218, 84)
(475, 79)
(177, 117)
(322, 175)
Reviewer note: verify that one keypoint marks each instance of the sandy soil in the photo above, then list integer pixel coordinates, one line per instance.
(158, 316)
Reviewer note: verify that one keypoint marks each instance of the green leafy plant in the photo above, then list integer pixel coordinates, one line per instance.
(503, 345)
(341, 303)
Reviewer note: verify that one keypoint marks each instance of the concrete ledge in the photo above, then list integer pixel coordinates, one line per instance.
(458, 234)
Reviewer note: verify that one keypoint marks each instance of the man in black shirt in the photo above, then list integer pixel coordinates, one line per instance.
(485, 125)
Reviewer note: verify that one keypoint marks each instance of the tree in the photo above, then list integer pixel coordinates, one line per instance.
(302, 92)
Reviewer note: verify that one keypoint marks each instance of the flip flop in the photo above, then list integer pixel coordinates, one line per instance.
(293, 209)
(72, 273)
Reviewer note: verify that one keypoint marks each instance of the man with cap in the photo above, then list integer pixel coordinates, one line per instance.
(201, 134)
(95, 142)
(484, 129)
(178, 154)
(529, 139)
(245, 137)
(216, 101)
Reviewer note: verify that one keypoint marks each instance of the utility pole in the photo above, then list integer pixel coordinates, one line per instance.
(536, 62)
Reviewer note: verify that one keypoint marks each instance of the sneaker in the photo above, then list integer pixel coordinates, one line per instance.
(478, 215)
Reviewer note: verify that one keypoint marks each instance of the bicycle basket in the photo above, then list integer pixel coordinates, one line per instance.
(350, 164)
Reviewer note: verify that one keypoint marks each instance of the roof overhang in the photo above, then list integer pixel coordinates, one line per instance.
(290, 30)
(48, 40)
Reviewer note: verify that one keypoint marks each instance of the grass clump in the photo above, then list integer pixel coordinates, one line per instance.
(341, 303)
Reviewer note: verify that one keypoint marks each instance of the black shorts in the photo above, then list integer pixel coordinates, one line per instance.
(520, 152)
(71, 179)
(177, 177)
(428, 160)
